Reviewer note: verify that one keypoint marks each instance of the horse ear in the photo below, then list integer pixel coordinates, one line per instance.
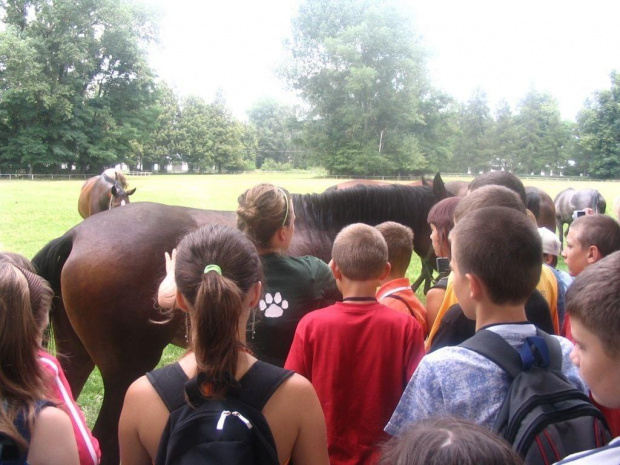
(131, 191)
(114, 191)
(439, 189)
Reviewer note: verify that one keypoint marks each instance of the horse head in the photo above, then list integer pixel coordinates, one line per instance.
(118, 195)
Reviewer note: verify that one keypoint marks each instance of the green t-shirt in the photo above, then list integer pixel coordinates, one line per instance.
(294, 286)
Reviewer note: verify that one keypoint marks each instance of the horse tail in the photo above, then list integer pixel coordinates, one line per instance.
(50, 260)
(601, 204)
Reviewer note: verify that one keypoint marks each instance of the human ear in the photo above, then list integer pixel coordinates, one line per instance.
(254, 294)
(594, 254)
(335, 270)
(180, 302)
(386, 271)
(476, 286)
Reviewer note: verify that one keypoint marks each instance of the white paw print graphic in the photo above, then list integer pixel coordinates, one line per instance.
(273, 306)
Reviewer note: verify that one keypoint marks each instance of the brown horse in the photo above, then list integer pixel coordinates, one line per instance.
(103, 192)
(541, 205)
(106, 270)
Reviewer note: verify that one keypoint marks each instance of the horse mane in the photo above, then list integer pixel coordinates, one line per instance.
(332, 210)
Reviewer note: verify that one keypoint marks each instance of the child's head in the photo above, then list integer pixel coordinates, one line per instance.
(41, 293)
(550, 245)
(360, 252)
(218, 273)
(593, 303)
(399, 240)
(590, 238)
(488, 196)
(501, 247)
(441, 220)
(21, 377)
(441, 441)
(262, 211)
(500, 178)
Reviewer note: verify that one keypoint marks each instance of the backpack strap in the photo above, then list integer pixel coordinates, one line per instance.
(255, 387)
(260, 382)
(543, 350)
(397, 297)
(169, 382)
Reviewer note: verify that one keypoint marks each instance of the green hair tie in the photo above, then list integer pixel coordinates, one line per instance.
(215, 268)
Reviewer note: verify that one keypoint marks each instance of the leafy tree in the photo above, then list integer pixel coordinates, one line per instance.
(88, 94)
(471, 152)
(599, 132)
(195, 135)
(357, 65)
(503, 139)
(161, 146)
(543, 136)
(275, 128)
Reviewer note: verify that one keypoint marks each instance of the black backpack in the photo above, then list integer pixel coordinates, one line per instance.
(228, 431)
(10, 453)
(543, 416)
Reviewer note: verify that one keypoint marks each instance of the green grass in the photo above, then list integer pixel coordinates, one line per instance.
(34, 212)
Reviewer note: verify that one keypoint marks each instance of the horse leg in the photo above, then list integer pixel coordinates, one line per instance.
(560, 227)
(118, 374)
(71, 353)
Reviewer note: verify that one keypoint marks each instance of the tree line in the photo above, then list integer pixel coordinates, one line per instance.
(77, 92)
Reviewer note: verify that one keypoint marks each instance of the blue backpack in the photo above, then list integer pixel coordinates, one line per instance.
(543, 416)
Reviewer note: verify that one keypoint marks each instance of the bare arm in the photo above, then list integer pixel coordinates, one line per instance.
(53, 442)
(136, 413)
(434, 298)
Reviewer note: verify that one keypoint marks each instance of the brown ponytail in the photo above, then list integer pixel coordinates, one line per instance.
(216, 301)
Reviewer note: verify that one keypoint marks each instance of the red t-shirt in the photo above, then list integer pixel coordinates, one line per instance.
(359, 359)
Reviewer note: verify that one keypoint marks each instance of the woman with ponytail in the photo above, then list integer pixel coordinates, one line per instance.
(218, 275)
(43, 432)
(293, 286)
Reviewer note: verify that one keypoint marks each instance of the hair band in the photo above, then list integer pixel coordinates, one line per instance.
(215, 268)
(286, 203)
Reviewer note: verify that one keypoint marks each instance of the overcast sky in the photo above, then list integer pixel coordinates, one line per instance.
(567, 48)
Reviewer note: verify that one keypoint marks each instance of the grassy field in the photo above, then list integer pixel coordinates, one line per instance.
(34, 212)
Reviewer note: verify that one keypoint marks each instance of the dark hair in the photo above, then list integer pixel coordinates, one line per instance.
(216, 301)
(263, 210)
(445, 441)
(503, 248)
(360, 252)
(500, 178)
(601, 231)
(594, 300)
(21, 375)
(399, 240)
(442, 216)
(488, 196)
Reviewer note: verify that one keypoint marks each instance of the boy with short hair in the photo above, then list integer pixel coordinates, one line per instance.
(496, 261)
(357, 353)
(395, 291)
(595, 313)
(590, 238)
